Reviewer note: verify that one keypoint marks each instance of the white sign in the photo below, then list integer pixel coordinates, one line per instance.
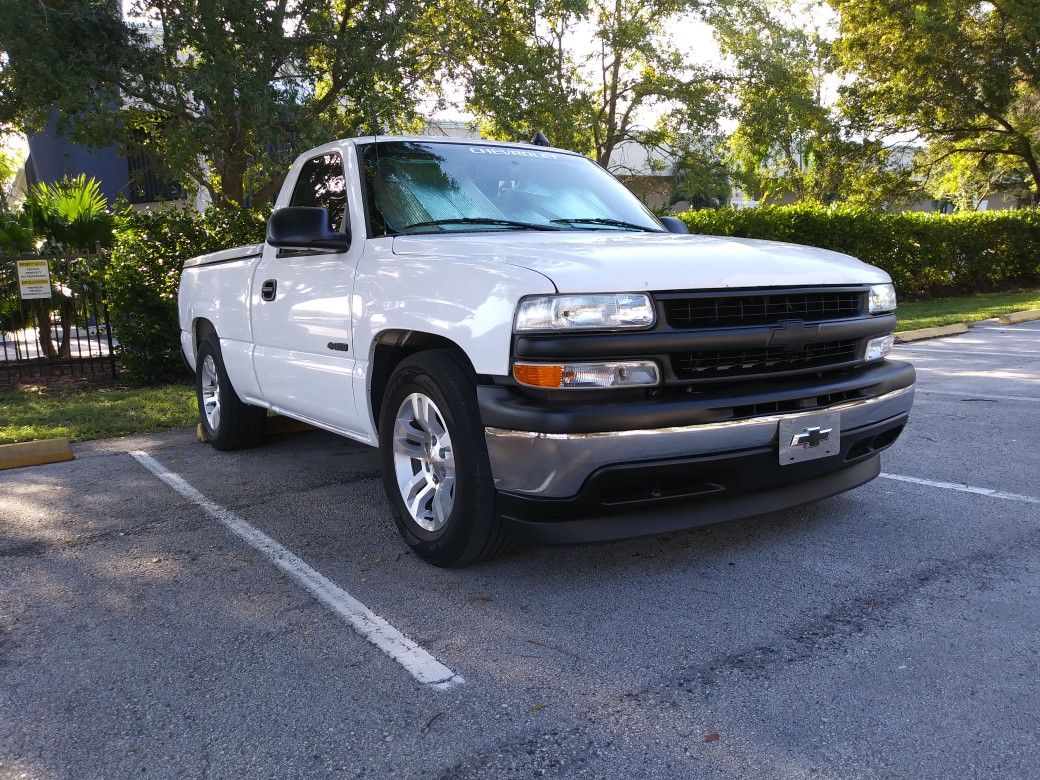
(34, 279)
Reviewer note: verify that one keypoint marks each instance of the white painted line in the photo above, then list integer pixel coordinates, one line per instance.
(416, 661)
(1007, 328)
(968, 352)
(961, 487)
(982, 396)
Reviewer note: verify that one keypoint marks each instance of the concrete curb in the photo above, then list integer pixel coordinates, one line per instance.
(34, 453)
(273, 426)
(931, 333)
(1015, 317)
(280, 426)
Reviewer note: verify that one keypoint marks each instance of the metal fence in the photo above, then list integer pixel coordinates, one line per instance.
(53, 319)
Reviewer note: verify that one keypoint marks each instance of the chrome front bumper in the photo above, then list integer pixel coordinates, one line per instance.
(556, 465)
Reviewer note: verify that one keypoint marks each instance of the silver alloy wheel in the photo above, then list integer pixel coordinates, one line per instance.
(424, 462)
(211, 393)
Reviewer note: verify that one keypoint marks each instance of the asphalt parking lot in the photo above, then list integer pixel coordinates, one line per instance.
(893, 631)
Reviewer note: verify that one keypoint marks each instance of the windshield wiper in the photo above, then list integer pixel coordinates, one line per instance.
(510, 223)
(604, 221)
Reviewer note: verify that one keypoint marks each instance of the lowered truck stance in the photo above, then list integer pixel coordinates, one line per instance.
(535, 354)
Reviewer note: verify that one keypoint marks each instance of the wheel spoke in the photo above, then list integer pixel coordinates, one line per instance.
(210, 391)
(441, 505)
(420, 440)
(447, 457)
(418, 412)
(417, 506)
(405, 442)
(434, 423)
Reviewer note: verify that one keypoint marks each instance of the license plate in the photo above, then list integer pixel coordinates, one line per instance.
(809, 436)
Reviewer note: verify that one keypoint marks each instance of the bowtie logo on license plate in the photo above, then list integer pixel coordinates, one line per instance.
(811, 437)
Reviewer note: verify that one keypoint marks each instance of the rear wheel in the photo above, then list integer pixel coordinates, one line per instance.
(229, 423)
(436, 472)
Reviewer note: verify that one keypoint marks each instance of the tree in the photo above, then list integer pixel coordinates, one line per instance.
(537, 70)
(225, 93)
(964, 75)
(701, 177)
(964, 181)
(779, 72)
(67, 217)
(520, 74)
(789, 140)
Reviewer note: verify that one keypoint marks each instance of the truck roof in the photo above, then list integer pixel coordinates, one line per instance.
(441, 139)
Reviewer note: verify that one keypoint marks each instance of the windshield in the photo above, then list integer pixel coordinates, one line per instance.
(414, 188)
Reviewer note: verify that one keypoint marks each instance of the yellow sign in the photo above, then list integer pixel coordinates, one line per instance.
(34, 279)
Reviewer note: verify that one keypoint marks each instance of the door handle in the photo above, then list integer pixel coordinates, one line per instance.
(269, 289)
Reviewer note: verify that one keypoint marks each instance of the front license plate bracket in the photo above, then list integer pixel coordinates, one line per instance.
(809, 436)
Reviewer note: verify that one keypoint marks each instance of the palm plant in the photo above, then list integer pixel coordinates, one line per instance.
(68, 216)
(71, 214)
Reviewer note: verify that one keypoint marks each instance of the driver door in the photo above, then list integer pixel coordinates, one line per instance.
(303, 355)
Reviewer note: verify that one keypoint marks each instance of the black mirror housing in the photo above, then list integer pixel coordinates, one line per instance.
(304, 227)
(675, 225)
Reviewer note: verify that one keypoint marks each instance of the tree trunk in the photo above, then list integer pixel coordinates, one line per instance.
(43, 328)
(1034, 172)
(68, 314)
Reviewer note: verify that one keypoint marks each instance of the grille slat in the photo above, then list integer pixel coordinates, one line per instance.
(766, 309)
(744, 362)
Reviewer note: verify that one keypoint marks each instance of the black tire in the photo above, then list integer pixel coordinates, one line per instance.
(240, 425)
(474, 530)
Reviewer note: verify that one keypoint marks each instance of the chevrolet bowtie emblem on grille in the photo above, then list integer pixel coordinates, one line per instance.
(811, 437)
(793, 333)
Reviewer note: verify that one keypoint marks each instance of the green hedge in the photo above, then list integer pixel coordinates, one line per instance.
(144, 270)
(927, 255)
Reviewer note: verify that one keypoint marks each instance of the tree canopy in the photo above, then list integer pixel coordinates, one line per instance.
(225, 93)
(593, 75)
(801, 105)
(963, 75)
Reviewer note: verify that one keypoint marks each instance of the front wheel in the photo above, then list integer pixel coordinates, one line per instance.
(436, 473)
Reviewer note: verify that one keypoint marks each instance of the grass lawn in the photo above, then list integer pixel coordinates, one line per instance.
(32, 413)
(28, 413)
(969, 308)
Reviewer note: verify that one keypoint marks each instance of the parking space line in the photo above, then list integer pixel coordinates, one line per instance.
(982, 396)
(967, 354)
(416, 660)
(1006, 328)
(961, 487)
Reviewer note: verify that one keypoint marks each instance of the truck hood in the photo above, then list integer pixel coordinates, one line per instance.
(609, 261)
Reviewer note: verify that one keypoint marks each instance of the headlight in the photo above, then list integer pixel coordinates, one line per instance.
(584, 312)
(882, 298)
(879, 347)
(587, 376)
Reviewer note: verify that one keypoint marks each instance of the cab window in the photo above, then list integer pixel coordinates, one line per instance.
(322, 183)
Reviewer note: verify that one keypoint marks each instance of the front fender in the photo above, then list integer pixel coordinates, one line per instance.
(469, 302)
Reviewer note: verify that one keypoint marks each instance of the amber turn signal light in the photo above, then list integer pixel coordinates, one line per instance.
(538, 375)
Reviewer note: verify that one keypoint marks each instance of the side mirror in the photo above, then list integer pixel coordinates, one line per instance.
(304, 227)
(674, 225)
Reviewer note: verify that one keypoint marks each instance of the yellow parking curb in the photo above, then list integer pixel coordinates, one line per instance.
(931, 333)
(273, 426)
(1015, 317)
(34, 453)
(279, 425)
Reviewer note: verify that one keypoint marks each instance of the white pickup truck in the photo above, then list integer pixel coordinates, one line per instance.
(535, 354)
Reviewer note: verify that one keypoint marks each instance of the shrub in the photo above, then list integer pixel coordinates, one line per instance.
(927, 255)
(144, 270)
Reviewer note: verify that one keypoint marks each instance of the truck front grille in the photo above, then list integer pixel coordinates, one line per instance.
(743, 362)
(767, 309)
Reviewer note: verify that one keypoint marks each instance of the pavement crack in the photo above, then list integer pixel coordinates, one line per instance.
(831, 631)
(25, 549)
